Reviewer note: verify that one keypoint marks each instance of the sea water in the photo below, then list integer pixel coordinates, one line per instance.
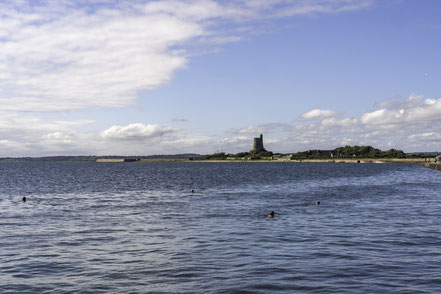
(91, 227)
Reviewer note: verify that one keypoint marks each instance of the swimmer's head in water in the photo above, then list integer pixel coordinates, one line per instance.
(192, 190)
(24, 198)
(271, 214)
(317, 202)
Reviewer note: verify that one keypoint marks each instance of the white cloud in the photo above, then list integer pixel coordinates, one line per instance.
(82, 60)
(65, 55)
(374, 117)
(412, 110)
(318, 114)
(137, 131)
(385, 103)
(59, 138)
(10, 144)
(425, 136)
(417, 129)
(314, 7)
(25, 134)
(236, 140)
(332, 122)
(412, 124)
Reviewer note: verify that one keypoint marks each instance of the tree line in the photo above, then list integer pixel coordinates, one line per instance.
(339, 152)
(350, 152)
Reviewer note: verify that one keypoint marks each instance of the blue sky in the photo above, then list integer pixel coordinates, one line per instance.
(165, 77)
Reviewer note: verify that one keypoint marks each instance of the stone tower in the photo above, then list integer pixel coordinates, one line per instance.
(258, 144)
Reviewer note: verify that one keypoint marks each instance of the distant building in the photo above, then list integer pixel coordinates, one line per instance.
(258, 144)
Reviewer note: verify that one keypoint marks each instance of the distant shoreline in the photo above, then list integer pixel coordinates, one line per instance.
(129, 159)
(342, 160)
(424, 162)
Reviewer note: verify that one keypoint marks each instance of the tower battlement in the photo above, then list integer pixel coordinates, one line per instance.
(258, 144)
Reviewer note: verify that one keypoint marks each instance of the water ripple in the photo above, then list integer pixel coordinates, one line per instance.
(136, 228)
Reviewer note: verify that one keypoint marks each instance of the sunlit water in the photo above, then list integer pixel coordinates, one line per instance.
(137, 228)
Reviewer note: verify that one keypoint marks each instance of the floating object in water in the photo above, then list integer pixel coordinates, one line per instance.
(317, 202)
(24, 198)
(192, 190)
(271, 214)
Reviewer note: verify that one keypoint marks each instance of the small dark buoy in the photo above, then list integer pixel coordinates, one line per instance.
(317, 202)
(24, 198)
(271, 214)
(192, 190)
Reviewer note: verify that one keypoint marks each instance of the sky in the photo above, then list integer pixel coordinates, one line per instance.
(109, 77)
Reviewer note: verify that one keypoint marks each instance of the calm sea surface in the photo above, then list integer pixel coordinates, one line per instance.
(136, 228)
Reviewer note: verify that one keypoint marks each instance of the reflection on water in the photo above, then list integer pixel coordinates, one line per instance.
(121, 228)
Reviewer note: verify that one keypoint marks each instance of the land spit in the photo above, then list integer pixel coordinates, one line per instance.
(422, 161)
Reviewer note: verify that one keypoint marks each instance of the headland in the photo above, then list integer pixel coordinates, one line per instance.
(258, 153)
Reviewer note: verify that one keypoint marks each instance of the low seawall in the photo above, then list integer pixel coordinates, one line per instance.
(421, 161)
(110, 160)
(117, 160)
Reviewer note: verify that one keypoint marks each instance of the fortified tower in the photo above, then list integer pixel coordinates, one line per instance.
(258, 144)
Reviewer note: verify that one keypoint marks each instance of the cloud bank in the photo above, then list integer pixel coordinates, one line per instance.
(413, 124)
(67, 55)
